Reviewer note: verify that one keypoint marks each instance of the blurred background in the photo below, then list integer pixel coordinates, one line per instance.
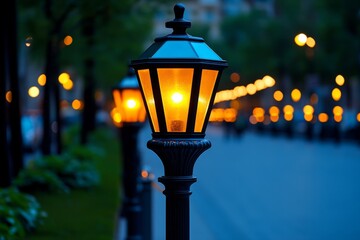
(294, 69)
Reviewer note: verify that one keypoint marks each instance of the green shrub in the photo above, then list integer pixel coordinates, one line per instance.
(33, 179)
(72, 172)
(19, 213)
(57, 173)
(84, 152)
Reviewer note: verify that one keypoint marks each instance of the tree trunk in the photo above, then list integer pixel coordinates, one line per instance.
(51, 102)
(89, 111)
(15, 116)
(5, 178)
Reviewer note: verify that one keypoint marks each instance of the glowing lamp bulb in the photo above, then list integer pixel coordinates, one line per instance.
(131, 103)
(177, 97)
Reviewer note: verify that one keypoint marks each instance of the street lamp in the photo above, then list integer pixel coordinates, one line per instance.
(129, 105)
(178, 76)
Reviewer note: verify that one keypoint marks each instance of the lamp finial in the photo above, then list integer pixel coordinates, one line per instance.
(179, 24)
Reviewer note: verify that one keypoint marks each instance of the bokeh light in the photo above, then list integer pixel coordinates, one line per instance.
(260, 85)
(77, 104)
(63, 78)
(336, 94)
(68, 40)
(235, 77)
(33, 91)
(340, 80)
(308, 109)
(68, 85)
(300, 39)
(278, 95)
(323, 117)
(251, 89)
(8, 96)
(42, 80)
(269, 81)
(310, 42)
(296, 95)
(337, 110)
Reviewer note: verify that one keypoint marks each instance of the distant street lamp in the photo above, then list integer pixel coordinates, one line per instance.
(129, 104)
(178, 76)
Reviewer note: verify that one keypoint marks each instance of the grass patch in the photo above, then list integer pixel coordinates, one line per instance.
(86, 214)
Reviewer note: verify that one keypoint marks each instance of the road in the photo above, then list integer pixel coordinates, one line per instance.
(263, 187)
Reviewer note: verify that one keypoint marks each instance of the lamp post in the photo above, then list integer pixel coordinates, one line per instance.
(178, 76)
(129, 105)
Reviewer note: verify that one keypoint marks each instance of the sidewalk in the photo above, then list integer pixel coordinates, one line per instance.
(269, 188)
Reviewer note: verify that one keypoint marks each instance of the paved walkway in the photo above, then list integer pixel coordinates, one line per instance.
(261, 187)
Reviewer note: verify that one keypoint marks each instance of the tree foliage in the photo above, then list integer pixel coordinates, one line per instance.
(258, 42)
(119, 33)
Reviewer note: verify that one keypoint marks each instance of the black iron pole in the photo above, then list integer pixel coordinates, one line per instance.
(131, 180)
(178, 157)
(146, 207)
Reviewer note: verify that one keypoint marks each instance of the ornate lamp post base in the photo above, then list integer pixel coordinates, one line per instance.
(178, 157)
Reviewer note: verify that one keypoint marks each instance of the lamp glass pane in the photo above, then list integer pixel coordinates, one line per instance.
(132, 108)
(207, 84)
(145, 81)
(175, 86)
(117, 100)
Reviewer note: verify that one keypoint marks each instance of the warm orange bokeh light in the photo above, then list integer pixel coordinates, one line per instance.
(42, 80)
(63, 78)
(340, 80)
(68, 40)
(144, 174)
(258, 111)
(251, 89)
(274, 118)
(278, 95)
(77, 104)
(235, 77)
(358, 117)
(308, 117)
(336, 94)
(310, 42)
(68, 85)
(230, 115)
(296, 95)
(8, 96)
(288, 109)
(288, 116)
(308, 109)
(269, 81)
(323, 117)
(259, 84)
(274, 111)
(337, 118)
(337, 110)
(300, 39)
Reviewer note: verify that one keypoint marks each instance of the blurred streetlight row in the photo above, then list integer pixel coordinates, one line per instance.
(240, 91)
(259, 114)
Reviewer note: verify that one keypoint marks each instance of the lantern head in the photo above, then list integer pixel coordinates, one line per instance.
(128, 100)
(178, 76)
